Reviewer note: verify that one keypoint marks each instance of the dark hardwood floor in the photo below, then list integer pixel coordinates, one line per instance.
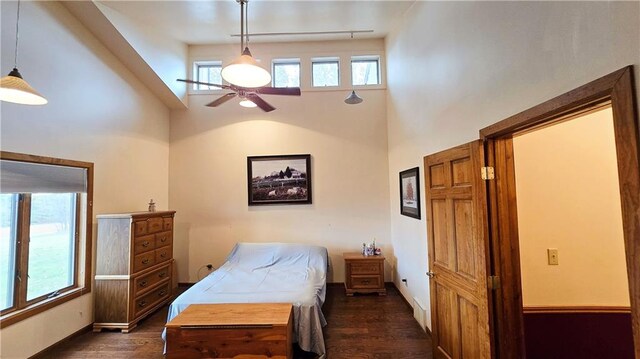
(363, 327)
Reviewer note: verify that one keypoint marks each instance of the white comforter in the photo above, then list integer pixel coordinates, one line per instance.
(270, 273)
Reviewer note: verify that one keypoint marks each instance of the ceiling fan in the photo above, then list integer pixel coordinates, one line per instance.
(245, 77)
(249, 96)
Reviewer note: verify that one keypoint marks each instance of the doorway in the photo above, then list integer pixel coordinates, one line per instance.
(519, 292)
(575, 292)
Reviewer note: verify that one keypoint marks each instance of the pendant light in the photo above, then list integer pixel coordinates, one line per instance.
(15, 89)
(245, 71)
(352, 99)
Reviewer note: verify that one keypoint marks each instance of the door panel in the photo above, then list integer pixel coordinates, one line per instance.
(456, 229)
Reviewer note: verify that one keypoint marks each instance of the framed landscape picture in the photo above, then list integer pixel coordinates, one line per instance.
(410, 193)
(283, 179)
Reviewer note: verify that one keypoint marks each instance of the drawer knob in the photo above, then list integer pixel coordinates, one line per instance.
(162, 293)
(145, 261)
(365, 281)
(162, 274)
(143, 283)
(163, 239)
(163, 255)
(145, 244)
(142, 304)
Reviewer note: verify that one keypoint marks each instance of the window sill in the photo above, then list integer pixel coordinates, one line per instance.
(37, 308)
(302, 89)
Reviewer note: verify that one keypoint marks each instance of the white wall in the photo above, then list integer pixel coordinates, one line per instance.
(164, 54)
(569, 199)
(208, 170)
(456, 67)
(97, 112)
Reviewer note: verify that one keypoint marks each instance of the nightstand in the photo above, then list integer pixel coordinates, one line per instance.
(363, 274)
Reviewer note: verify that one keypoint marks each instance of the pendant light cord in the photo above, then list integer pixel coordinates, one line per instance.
(246, 21)
(15, 58)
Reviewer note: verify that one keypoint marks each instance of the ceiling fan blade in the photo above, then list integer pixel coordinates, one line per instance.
(286, 91)
(205, 84)
(260, 102)
(222, 99)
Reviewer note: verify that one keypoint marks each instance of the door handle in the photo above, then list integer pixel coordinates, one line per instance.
(431, 274)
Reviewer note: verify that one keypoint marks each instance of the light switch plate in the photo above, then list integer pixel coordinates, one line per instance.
(552, 256)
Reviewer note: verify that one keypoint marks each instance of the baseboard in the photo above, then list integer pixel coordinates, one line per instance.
(47, 351)
(185, 284)
(426, 329)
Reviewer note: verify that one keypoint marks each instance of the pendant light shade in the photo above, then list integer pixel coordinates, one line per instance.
(14, 89)
(353, 99)
(245, 72)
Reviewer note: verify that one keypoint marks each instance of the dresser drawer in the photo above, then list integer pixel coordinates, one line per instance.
(366, 282)
(163, 254)
(143, 244)
(145, 282)
(163, 239)
(148, 301)
(144, 260)
(154, 225)
(365, 267)
(140, 228)
(167, 224)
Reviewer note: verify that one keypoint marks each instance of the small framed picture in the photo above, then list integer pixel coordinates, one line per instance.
(410, 192)
(279, 179)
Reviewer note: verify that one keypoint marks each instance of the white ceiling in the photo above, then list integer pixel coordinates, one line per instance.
(213, 21)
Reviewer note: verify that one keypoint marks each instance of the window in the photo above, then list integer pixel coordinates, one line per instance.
(365, 70)
(207, 71)
(325, 71)
(45, 233)
(286, 73)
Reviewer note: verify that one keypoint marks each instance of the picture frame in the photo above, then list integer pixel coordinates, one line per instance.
(410, 192)
(279, 179)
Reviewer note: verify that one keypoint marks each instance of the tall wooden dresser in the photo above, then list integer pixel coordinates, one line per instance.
(133, 267)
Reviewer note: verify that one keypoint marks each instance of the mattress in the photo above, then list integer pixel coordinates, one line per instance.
(270, 273)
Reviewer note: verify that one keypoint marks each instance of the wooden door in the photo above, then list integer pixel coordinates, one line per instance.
(457, 238)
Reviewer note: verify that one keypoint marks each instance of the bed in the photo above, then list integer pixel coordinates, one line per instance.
(270, 273)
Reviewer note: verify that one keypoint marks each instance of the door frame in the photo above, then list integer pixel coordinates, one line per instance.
(615, 89)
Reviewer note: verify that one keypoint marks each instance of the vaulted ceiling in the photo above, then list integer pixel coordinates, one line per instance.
(213, 22)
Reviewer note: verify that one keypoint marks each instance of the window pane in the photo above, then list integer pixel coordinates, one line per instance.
(211, 74)
(8, 229)
(325, 73)
(52, 243)
(364, 72)
(286, 75)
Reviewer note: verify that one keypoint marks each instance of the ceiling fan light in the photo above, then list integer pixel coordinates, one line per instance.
(353, 99)
(247, 103)
(245, 72)
(14, 89)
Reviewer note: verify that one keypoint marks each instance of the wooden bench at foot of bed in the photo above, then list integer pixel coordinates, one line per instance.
(251, 330)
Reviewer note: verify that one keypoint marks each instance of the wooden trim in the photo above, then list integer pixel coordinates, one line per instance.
(48, 351)
(23, 157)
(576, 309)
(24, 221)
(616, 88)
(584, 96)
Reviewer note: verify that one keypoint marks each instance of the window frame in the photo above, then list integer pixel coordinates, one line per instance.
(326, 60)
(366, 58)
(21, 307)
(285, 61)
(196, 74)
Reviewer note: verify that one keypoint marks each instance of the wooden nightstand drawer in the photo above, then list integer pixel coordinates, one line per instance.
(163, 254)
(366, 282)
(154, 225)
(163, 239)
(365, 267)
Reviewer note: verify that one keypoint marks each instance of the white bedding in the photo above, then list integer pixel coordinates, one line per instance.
(270, 273)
